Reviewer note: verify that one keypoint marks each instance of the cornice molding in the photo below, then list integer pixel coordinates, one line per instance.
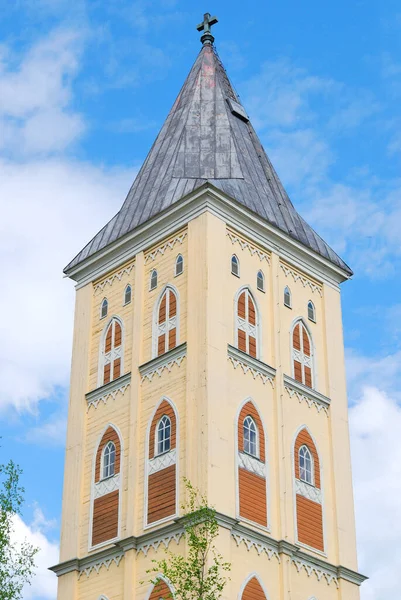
(108, 391)
(245, 244)
(165, 361)
(178, 239)
(99, 287)
(306, 394)
(247, 363)
(206, 198)
(304, 279)
(260, 542)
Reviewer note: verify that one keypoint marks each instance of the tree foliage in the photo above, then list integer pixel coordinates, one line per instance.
(16, 559)
(200, 574)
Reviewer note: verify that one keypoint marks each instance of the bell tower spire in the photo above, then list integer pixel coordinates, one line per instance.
(205, 26)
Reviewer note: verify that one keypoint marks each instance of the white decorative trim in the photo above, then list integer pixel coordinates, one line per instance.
(108, 392)
(252, 464)
(249, 364)
(302, 278)
(110, 280)
(311, 569)
(146, 546)
(259, 546)
(305, 394)
(178, 239)
(106, 562)
(165, 362)
(162, 462)
(106, 486)
(308, 491)
(235, 239)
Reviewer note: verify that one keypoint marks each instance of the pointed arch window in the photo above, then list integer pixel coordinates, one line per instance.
(247, 324)
(153, 280)
(302, 356)
(250, 437)
(287, 297)
(260, 281)
(305, 465)
(179, 265)
(112, 352)
(166, 323)
(311, 311)
(235, 265)
(104, 308)
(108, 460)
(163, 435)
(127, 294)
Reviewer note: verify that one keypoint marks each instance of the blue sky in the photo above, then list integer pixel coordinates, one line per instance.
(84, 89)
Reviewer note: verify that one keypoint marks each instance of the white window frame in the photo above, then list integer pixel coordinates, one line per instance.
(104, 302)
(157, 453)
(152, 285)
(311, 315)
(299, 356)
(125, 294)
(109, 357)
(170, 323)
(257, 453)
(235, 261)
(179, 261)
(102, 465)
(260, 277)
(244, 325)
(312, 466)
(287, 289)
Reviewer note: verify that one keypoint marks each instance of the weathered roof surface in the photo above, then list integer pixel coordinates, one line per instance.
(207, 137)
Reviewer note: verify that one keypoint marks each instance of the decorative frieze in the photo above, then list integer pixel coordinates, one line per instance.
(97, 566)
(297, 276)
(162, 461)
(245, 245)
(305, 394)
(248, 364)
(178, 239)
(311, 569)
(99, 287)
(165, 362)
(162, 541)
(308, 491)
(252, 464)
(106, 486)
(260, 546)
(107, 392)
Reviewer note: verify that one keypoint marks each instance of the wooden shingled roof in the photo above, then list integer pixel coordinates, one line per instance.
(207, 137)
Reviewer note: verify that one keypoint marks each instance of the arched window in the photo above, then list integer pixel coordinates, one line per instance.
(179, 265)
(302, 354)
(112, 353)
(161, 591)
(252, 466)
(108, 460)
(247, 324)
(106, 489)
(253, 588)
(165, 334)
(308, 492)
(250, 437)
(104, 308)
(287, 297)
(311, 311)
(305, 465)
(163, 435)
(161, 481)
(127, 294)
(153, 280)
(260, 281)
(234, 265)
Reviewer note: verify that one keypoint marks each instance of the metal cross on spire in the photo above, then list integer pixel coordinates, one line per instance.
(208, 21)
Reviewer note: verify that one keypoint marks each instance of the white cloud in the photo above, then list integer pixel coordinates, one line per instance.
(51, 432)
(375, 423)
(44, 582)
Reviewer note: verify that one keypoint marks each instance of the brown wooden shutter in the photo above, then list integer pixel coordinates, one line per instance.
(106, 373)
(308, 376)
(241, 305)
(296, 339)
(253, 591)
(117, 334)
(107, 345)
(172, 335)
(162, 309)
(251, 311)
(252, 346)
(161, 591)
(161, 344)
(117, 368)
(242, 340)
(298, 371)
(172, 305)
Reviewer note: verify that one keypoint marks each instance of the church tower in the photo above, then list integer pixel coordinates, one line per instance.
(208, 345)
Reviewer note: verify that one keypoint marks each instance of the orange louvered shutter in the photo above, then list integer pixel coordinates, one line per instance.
(117, 334)
(107, 345)
(172, 305)
(252, 346)
(305, 341)
(242, 340)
(241, 306)
(251, 311)
(296, 338)
(106, 373)
(162, 309)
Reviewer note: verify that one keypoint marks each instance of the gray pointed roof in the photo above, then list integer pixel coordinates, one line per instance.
(207, 137)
